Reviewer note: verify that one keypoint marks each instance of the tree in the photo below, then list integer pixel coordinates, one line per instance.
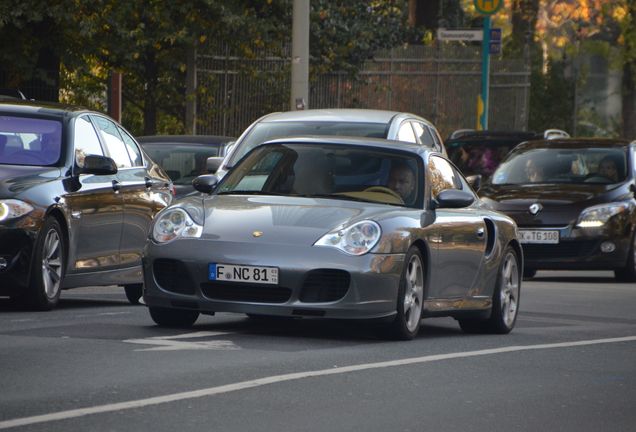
(34, 38)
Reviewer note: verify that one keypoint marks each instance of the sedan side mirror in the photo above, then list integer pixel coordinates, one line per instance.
(205, 183)
(213, 163)
(454, 198)
(98, 165)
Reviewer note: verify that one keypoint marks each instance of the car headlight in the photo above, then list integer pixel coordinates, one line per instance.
(11, 209)
(596, 216)
(173, 223)
(356, 239)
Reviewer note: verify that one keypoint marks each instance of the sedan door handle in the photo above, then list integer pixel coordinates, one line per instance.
(480, 233)
(116, 186)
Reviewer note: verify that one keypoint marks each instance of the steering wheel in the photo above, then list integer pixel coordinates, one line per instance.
(385, 190)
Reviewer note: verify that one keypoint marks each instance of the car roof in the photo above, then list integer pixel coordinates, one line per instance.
(472, 135)
(571, 143)
(185, 139)
(354, 141)
(40, 108)
(337, 114)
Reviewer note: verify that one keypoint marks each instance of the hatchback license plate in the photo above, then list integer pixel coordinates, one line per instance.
(539, 236)
(242, 273)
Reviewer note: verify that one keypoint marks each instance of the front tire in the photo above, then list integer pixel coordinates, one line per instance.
(47, 268)
(179, 318)
(134, 292)
(628, 273)
(505, 299)
(410, 298)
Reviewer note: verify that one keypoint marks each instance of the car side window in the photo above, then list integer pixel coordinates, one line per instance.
(114, 142)
(436, 137)
(405, 133)
(85, 140)
(424, 134)
(443, 176)
(133, 149)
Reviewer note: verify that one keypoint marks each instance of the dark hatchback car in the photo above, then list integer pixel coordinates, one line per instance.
(184, 157)
(573, 200)
(77, 196)
(479, 153)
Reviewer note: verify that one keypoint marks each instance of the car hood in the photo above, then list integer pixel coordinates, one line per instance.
(284, 220)
(15, 179)
(560, 204)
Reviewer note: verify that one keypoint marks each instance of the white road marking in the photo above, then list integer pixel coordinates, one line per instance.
(176, 342)
(211, 391)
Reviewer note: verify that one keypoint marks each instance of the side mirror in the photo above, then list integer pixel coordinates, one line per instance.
(474, 181)
(98, 165)
(213, 163)
(632, 189)
(205, 183)
(453, 198)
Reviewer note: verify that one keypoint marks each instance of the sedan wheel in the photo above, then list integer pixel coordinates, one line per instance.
(628, 273)
(134, 292)
(180, 318)
(406, 324)
(48, 268)
(505, 301)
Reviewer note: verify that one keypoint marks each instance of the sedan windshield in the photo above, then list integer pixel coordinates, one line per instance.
(265, 131)
(329, 171)
(29, 141)
(182, 162)
(564, 165)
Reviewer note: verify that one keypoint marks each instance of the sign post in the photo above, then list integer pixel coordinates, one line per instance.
(487, 8)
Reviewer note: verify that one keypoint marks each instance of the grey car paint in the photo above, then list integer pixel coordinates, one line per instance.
(462, 248)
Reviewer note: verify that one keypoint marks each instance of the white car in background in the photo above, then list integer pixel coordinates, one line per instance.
(391, 125)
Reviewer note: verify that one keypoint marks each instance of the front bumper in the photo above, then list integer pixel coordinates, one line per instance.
(176, 276)
(579, 249)
(16, 250)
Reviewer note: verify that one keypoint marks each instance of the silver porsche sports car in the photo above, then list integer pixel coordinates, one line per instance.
(336, 227)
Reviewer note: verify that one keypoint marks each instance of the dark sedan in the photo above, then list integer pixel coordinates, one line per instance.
(77, 196)
(336, 228)
(573, 200)
(184, 157)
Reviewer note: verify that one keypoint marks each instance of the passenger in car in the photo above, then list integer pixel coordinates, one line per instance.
(607, 168)
(402, 180)
(534, 171)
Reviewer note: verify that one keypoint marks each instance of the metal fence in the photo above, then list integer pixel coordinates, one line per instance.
(440, 83)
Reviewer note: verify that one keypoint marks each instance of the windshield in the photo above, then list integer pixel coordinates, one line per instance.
(265, 131)
(560, 165)
(329, 171)
(182, 162)
(481, 157)
(29, 141)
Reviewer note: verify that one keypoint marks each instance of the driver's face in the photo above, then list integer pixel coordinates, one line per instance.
(402, 181)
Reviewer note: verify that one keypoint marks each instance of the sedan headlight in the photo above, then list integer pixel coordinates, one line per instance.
(11, 209)
(173, 223)
(596, 216)
(356, 239)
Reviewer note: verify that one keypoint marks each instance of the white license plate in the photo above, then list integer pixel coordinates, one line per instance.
(242, 273)
(539, 236)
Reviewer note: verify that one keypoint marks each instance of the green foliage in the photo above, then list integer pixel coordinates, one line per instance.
(551, 99)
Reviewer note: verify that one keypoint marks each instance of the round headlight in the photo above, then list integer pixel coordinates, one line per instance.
(357, 239)
(173, 223)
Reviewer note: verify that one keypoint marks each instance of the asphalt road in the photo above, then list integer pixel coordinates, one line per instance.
(99, 364)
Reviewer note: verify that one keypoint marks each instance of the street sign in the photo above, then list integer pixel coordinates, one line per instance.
(494, 47)
(487, 7)
(460, 35)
